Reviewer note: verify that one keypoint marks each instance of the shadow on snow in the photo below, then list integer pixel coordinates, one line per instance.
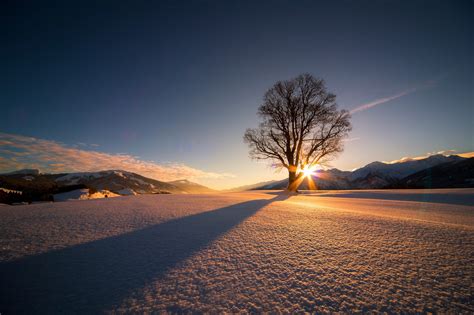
(96, 276)
(466, 199)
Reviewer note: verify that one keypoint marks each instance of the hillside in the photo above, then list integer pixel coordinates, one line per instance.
(31, 185)
(458, 174)
(118, 180)
(378, 175)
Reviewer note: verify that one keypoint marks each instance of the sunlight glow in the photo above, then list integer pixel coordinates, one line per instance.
(308, 170)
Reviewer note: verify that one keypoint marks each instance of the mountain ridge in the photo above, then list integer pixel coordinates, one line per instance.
(32, 185)
(375, 175)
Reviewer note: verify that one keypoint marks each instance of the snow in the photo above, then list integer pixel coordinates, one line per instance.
(182, 181)
(461, 196)
(77, 194)
(402, 168)
(83, 194)
(103, 194)
(140, 181)
(11, 191)
(76, 178)
(73, 178)
(240, 252)
(119, 174)
(126, 192)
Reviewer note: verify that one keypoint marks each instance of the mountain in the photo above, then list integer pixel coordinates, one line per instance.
(31, 185)
(457, 174)
(26, 171)
(121, 182)
(375, 175)
(190, 187)
(402, 168)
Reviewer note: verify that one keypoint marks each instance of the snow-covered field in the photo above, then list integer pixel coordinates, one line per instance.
(348, 251)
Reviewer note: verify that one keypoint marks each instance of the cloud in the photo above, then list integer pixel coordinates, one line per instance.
(444, 152)
(380, 101)
(351, 139)
(85, 145)
(17, 152)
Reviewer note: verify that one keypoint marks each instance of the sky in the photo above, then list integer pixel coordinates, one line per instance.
(167, 88)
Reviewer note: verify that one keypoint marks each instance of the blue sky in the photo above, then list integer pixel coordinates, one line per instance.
(178, 83)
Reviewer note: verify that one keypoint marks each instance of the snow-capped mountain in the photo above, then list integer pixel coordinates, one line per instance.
(375, 175)
(36, 186)
(403, 168)
(118, 181)
(457, 174)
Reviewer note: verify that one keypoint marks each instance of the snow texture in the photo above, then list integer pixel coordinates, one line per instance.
(240, 252)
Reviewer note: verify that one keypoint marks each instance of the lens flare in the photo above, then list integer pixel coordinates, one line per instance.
(308, 171)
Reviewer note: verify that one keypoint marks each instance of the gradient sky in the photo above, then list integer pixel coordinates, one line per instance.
(178, 83)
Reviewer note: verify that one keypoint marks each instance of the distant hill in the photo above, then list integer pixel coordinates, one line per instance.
(378, 175)
(118, 181)
(26, 171)
(190, 187)
(402, 168)
(31, 185)
(457, 174)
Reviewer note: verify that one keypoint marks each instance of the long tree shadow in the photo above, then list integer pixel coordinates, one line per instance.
(96, 276)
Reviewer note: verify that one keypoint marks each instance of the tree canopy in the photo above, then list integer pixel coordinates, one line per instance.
(300, 127)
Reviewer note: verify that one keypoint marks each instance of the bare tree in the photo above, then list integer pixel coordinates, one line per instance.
(301, 127)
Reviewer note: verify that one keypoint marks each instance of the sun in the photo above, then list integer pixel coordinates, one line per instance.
(308, 171)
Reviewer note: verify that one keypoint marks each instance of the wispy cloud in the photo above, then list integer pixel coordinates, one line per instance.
(17, 152)
(351, 139)
(383, 100)
(85, 145)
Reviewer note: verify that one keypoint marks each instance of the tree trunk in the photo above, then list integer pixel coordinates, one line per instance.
(292, 181)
